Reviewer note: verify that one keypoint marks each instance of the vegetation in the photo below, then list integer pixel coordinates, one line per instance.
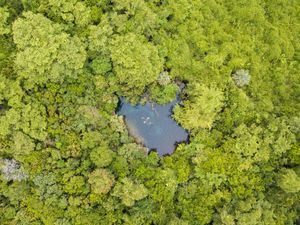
(66, 158)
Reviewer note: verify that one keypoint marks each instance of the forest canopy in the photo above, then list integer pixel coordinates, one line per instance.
(67, 158)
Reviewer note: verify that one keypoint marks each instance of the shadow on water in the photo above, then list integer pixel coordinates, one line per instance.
(153, 126)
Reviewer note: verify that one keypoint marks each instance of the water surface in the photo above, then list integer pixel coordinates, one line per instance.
(152, 125)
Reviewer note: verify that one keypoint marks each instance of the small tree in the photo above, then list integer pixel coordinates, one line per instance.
(201, 110)
(12, 170)
(129, 192)
(289, 181)
(101, 156)
(4, 29)
(241, 77)
(135, 62)
(101, 181)
(164, 78)
(45, 51)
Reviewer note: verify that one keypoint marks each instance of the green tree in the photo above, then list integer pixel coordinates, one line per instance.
(4, 15)
(135, 17)
(23, 144)
(101, 181)
(201, 110)
(45, 51)
(164, 94)
(31, 119)
(129, 191)
(76, 185)
(66, 156)
(135, 62)
(99, 37)
(101, 65)
(289, 181)
(102, 156)
(69, 11)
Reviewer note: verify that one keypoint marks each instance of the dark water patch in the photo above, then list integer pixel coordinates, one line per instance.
(152, 125)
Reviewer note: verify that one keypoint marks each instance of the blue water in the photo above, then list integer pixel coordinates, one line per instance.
(152, 125)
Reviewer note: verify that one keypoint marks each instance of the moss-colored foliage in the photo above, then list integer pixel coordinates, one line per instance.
(101, 65)
(289, 181)
(99, 36)
(201, 110)
(31, 120)
(136, 63)
(23, 144)
(101, 181)
(67, 158)
(4, 15)
(102, 156)
(76, 185)
(135, 17)
(129, 191)
(68, 11)
(164, 94)
(44, 48)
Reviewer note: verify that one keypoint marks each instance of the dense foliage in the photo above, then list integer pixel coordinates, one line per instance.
(66, 157)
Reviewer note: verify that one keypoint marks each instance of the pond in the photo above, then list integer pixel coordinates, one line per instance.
(152, 125)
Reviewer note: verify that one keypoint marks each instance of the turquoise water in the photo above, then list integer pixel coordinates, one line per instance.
(152, 125)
